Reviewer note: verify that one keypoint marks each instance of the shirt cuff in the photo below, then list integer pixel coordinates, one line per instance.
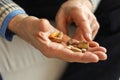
(3, 31)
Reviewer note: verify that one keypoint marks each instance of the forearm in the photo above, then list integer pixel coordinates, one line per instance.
(15, 23)
(8, 11)
(24, 26)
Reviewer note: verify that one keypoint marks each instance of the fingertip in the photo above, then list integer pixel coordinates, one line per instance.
(101, 55)
(104, 49)
(93, 44)
(88, 37)
(96, 59)
(105, 57)
(90, 57)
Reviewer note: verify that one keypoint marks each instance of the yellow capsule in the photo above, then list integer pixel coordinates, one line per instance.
(75, 49)
(83, 44)
(56, 37)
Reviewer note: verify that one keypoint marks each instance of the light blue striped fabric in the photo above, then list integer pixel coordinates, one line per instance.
(8, 9)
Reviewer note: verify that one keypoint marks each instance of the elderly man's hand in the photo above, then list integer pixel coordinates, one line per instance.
(52, 49)
(36, 32)
(79, 12)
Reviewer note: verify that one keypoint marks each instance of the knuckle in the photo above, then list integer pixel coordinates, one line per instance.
(98, 25)
(76, 8)
(43, 21)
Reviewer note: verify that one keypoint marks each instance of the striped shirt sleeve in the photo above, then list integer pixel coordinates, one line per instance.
(8, 9)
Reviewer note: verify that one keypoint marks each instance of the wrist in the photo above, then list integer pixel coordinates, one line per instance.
(14, 24)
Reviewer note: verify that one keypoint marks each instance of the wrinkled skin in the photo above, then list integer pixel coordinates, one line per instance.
(35, 31)
(81, 15)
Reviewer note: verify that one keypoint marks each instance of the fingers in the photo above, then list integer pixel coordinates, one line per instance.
(78, 35)
(86, 30)
(94, 26)
(92, 55)
(57, 50)
(101, 55)
(87, 57)
(61, 21)
(99, 51)
(78, 57)
(83, 25)
(93, 44)
(86, 23)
